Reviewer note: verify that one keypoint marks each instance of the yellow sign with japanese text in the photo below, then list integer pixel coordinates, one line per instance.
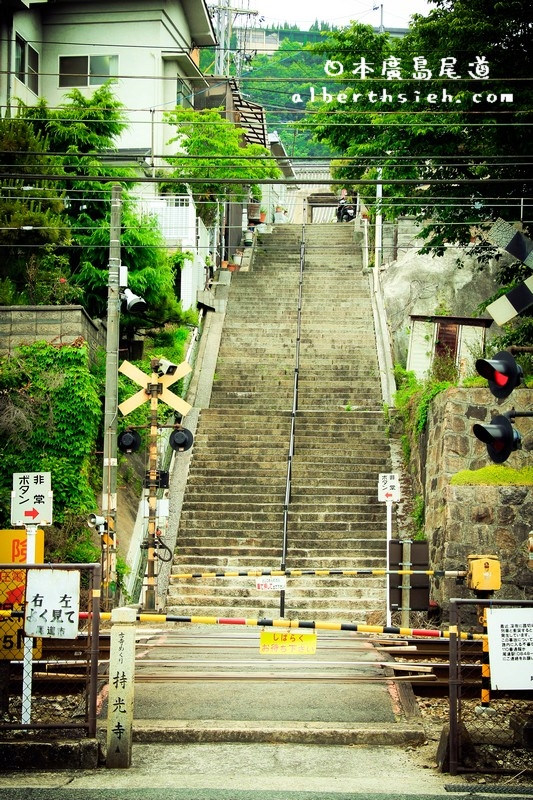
(13, 545)
(283, 643)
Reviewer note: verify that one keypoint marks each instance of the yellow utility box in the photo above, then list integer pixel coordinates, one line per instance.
(484, 573)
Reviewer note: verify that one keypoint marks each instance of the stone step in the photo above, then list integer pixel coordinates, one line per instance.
(263, 559)
(214, 561)
(304, 587)
(357, 613)
(238, 513)
(215, 593)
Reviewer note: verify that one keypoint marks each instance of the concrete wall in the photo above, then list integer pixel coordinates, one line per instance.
(55, 324)
(461, 520)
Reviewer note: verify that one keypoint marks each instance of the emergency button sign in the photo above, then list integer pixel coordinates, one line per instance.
(31, 498)
(388, 487)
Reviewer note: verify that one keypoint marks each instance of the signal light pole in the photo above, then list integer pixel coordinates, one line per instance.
(503, 375)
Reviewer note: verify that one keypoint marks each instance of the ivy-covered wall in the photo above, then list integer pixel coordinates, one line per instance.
(50, 413)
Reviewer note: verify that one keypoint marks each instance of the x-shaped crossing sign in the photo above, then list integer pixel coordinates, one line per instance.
(144, 394)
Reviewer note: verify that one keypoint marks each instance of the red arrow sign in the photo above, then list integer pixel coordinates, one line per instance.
(388, 494)
(33, 513)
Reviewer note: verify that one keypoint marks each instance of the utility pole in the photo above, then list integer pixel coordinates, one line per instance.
(154, 387)
(109, 475)
(224, 29)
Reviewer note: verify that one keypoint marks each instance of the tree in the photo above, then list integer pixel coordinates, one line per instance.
(273, 80)
(32, 223)
(440, 126)
(218, 155)
(79, 133)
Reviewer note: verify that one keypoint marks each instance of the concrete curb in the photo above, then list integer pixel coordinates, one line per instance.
(319, 733)
(53, 754)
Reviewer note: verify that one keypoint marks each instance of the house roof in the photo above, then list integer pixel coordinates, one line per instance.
(278, 151)
(196, 13)
(477, 322)
(200, 25)
(187, 64)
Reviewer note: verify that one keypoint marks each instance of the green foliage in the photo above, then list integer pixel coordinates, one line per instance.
(419, 139)
(71, 542)
(418, 515)
(494, 475)
(49, 417)
(59, 237)
(413, 399)
(218, 145)
(123, 570)
(273, 80)
(32, 226)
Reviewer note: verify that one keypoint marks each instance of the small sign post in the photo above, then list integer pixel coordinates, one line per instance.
(31, 506)
(389, 493)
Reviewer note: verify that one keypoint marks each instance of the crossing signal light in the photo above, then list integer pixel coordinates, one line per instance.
(181, 439)
(500, 437)
(129, 441)
(502, 373)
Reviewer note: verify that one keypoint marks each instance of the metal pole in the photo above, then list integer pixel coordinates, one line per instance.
(406, 582)
(453, 686)
(149, 596)
(109, 477)
(389, 539)
(94, 633)
(378, 244)
(27, 669)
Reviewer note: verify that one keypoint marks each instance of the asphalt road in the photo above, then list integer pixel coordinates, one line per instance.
(255, 772)
(226, 794)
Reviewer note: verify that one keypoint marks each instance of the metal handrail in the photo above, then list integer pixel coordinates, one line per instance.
(288, 480)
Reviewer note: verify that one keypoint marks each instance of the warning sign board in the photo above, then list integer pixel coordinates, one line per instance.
(510, 632)
(282, 643)
(13, 544)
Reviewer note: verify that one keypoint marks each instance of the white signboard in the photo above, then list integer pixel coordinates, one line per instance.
(52, 603)
(275, 583)
(31, 498)
(510, 632)
(389, 487)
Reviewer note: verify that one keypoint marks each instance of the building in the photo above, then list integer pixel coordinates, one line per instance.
(149, 47)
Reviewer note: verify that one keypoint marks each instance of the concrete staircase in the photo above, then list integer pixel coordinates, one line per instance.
(233, 510)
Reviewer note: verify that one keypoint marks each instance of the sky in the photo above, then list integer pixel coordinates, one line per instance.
(396, 13)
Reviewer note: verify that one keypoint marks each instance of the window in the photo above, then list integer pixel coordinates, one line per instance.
(184, 94)
(33, 69)
(20, 58)
(27, 64)
(86, 70)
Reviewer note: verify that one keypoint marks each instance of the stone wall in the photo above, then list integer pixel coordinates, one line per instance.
(461, 520)
(54, 324)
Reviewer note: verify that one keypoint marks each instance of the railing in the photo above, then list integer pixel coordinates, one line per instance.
(49, 685)
(497, 713)
(288, 483)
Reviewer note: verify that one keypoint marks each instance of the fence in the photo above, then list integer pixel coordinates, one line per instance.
(491, 711)
(49, 679)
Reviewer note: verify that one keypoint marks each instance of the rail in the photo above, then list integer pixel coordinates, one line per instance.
(288, 479)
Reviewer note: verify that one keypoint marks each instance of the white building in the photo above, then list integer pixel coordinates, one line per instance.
(149, 46)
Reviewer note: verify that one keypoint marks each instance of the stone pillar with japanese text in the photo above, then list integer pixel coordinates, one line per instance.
(121, 688)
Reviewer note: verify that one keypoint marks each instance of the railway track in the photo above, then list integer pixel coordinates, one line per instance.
(183, 656)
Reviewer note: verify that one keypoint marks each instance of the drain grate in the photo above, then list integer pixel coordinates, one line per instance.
(495, 788)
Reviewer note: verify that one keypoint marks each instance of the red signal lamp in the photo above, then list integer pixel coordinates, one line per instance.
(502, 373)
(500, 437)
